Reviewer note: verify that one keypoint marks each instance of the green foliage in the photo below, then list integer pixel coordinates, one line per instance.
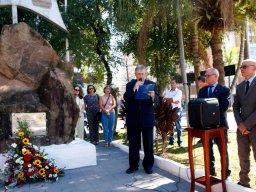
(23, 126)
(230, 56)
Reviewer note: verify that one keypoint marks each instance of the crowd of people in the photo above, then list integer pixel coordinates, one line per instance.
(98, 109)
(140, 117)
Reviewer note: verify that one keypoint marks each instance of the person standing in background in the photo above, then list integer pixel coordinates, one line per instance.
(107, 105)
(244, 108)
(222, 93)
(79, 130)
(140, 118)
(174, 96)
(92, 108)
(201, 81)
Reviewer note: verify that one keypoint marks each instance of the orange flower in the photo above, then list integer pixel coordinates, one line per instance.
(37, 162)
(25, 141)
(20, 175)
(56, 170)
(41, 172)
(25, 152)
(20, 134)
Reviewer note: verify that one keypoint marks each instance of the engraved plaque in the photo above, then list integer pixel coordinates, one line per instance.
(42, 3)
(36, 122)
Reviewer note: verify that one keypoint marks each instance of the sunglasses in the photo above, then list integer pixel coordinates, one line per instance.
(77, 90)
(91, 88)
(209, 75)
(245, 66)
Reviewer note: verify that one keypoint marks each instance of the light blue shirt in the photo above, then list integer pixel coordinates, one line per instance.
(213, 87)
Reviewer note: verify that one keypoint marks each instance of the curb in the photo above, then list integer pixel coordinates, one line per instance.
(183, 171)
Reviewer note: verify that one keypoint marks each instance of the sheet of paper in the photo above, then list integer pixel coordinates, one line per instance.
(143, 91)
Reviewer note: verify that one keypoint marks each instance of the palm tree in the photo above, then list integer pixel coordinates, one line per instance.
(215, 16)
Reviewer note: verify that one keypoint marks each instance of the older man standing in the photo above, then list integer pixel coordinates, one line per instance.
(244, 108)
(140, 118)
(215, 90)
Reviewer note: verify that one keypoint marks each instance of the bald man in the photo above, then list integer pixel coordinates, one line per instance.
(244, 108)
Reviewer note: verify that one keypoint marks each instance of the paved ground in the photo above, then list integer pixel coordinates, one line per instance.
(109, 176)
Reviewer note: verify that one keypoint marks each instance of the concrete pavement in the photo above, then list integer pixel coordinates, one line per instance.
(109, 176)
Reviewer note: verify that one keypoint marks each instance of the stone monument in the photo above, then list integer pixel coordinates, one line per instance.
(33, 79)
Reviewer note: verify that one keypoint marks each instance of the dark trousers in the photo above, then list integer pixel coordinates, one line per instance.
(93, 125)
(245, 143)
(134, 137)
(212, 158)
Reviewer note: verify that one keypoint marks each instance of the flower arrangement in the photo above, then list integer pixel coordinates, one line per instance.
(27, 163)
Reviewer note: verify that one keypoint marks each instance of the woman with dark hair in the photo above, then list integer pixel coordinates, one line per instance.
(79, 131)
(107, 104)
(91, 101)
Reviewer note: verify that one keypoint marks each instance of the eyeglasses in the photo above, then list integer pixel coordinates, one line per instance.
(245, 66)
(90, 88)
(77, 90)
(208, 75)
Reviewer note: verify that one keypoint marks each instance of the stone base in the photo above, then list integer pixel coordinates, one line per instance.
(76, 154)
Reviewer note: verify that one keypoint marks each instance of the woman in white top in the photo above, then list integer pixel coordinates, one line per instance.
(107, 104)
(79, 131)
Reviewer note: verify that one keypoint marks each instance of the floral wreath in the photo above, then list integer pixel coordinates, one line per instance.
(26, 162)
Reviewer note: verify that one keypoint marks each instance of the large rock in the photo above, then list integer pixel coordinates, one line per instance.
(33, 79)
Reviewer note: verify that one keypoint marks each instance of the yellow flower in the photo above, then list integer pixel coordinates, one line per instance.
(25, 152)
(37, 162)
(25, 141)
(56, 170)
(41, 155)
(41, 172)
(20, 175)
(20, 133)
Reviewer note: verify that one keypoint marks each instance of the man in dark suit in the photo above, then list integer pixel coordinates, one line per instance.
(222, 93)
(140, 118)
(244, 108)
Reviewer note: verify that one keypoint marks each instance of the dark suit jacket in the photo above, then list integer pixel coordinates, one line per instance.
(244, 106)
(139, 112)
(222, 93)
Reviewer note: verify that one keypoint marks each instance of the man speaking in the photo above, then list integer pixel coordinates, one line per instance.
(140, 118)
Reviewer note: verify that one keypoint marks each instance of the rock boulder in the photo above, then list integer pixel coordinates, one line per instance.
(34, 79)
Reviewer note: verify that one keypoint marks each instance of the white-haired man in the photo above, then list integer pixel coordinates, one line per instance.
(244, 108)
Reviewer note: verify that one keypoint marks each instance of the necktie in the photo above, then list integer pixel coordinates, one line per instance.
(210, 91)
(247, 87)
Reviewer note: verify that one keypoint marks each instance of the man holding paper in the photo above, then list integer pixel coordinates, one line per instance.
(140, 118)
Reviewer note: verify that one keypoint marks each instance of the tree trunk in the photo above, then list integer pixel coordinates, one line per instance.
(216, 45)
(195, 52)
(246, 42)
(143, 35)
(106, 65)
(240, 59)
(182, 55)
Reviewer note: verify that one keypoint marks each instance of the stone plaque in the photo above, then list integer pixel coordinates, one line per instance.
(36, 122)
(42, 3)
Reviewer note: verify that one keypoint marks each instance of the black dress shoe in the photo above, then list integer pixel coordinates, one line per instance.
(131, 170)
(244, 185)
(148, 171)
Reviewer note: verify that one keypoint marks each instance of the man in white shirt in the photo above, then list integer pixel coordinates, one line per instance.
(174, 97)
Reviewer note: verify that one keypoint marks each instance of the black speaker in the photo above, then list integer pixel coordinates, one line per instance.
(204, 113)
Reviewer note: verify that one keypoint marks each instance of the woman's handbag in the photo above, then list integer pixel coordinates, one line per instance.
(98, 115)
